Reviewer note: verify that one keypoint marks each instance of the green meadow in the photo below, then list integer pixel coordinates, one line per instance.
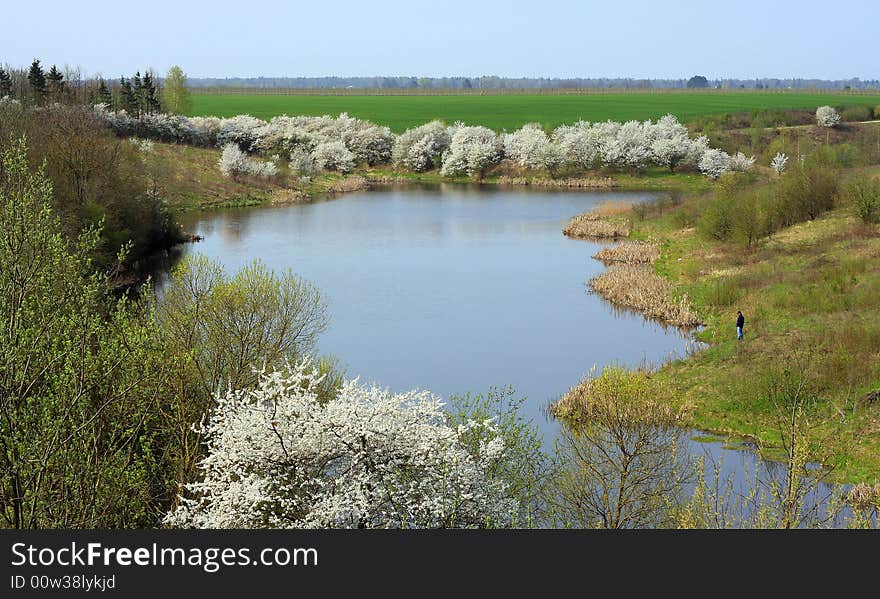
(509, 112)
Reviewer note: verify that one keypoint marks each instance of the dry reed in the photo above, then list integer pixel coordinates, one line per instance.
(579, 182)
(594, 226)
(641, 289)
(612, 208)
(348, 184)
(630, 252)
(289, 196)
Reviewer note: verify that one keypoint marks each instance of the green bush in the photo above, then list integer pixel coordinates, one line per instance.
(856, 113)
(863, 195)
(805, 192)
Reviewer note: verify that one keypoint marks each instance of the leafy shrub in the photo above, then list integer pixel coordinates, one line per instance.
(863, 194)
(856, 113)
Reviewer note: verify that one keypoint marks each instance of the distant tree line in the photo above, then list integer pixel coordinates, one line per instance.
(35, 86)
(495, 82)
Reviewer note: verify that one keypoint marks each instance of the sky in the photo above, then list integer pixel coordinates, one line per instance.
(511, 38)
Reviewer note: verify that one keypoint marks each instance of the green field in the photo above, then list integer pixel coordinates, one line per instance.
(512, 111)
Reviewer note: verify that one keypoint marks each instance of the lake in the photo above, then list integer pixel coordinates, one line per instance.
(456, 289)
(450, 288)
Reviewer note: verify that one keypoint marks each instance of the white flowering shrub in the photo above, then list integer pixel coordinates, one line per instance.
(526, 146)
(301, 162)
(714, 163)
(472, 151)
(334, 156)
(699, 146)
(119, 121)
(826, 116)
(206, 129)
(578, 144)
(369, 143)
(235, 163)
(420, 148)
(779, 162)
(277, 457)
(551, 157)
(670, 142)
(740, 163)
(241, 130)
(145, 146)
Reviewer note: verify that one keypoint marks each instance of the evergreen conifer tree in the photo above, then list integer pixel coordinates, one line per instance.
(37, 79)
(55, 83)
(5, 83)
(104, 96)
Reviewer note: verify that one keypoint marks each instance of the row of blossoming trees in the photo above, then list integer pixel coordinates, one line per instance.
(339, 144)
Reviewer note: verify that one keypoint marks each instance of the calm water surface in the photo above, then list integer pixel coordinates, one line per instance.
(454, 289)
(451, 289)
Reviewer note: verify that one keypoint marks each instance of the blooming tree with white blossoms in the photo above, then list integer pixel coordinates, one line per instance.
(826, 116)
(778, 163)
(334, 156)
(234, 163)
(671, 143)
(339, 143)
(420, 148)
(740, 163)
(714, 163)
(526, 146)
(578, 144)
(472, 150)
(279, 458)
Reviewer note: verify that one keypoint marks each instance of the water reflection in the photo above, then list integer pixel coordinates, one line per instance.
(456, 289)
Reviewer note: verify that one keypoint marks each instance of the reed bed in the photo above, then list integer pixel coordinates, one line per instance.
(630, 252)
(641, 289)
(612, 208)
(289, 196)
(595, 226)
(349, 184)
(388, 179)
(578, 182)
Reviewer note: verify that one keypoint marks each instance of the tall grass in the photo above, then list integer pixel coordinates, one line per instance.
(630, 252)
(593, 226)
(640, 288)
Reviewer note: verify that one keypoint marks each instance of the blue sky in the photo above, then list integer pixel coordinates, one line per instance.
(553, 38)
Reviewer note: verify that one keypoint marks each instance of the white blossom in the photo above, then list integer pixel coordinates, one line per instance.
(301, 162)
(233, 163)
(741, 163)
(578, 144)
(778, 163)
(670, 143)
(279, 458)
(826, 116)
(714, 163)
(526, 146)
(206, 129)
(145, 146)
(334, 156)
(369, 143)
(472, 151)
(241, 130)
(420, 148)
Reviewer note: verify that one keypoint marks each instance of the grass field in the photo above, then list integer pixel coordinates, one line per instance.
(512, 111)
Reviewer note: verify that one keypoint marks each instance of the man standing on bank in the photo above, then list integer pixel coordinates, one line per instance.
(740, 321)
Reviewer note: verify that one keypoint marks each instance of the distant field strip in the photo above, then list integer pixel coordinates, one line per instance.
(500, 112)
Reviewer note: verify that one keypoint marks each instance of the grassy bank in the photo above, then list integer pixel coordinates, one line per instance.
(512, 111)
(810, 294)
(811, 297)
(188, 178)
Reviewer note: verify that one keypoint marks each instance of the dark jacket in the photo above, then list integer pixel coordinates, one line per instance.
(740, 320)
